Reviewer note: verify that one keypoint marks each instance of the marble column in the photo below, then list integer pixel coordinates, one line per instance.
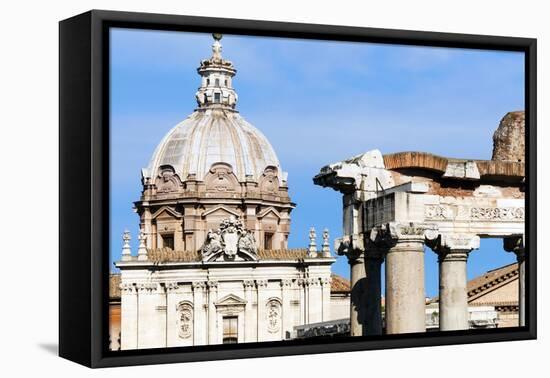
(352, 248)
(517, 246)
(358, 298)
(405, 291)
(212, 316)
(453, 251)
(373, 257)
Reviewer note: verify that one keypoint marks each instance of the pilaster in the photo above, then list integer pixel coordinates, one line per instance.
(261, 309)
(212, 316)
(129, 316)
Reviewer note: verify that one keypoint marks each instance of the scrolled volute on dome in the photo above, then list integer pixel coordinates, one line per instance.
(230, 242)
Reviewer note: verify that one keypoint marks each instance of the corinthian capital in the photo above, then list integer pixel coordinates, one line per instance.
(515, 245)
(351, 246)
(389, 234)
(454, 246)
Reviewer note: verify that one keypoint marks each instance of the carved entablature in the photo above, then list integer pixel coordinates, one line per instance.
(269, 181)
(167, 180)
(221, 178)
(475, 213)
(230, 242)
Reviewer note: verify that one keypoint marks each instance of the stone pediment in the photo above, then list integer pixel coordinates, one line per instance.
(166, 211)
(231, 300)
(221, 209)
(269, 210)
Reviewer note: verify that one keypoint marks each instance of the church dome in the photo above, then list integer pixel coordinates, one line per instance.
(214, 133)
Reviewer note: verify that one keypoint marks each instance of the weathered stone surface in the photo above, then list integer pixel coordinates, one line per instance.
(509, 138)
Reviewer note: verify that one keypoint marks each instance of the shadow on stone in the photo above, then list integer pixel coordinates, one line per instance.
(358, 300)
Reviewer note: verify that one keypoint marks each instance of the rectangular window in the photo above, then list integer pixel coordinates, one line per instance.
(168, 241)
(268, 240)
(217, 82)
(230, 330)
(216, 97)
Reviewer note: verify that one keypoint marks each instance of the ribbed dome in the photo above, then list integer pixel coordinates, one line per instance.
(210, 136)
(215, 132)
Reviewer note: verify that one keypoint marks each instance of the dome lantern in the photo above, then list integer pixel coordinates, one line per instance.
(216, 89)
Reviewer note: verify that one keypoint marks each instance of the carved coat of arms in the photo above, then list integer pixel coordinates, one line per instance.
(227, 242)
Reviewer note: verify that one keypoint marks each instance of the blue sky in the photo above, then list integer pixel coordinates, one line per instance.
(317, 102)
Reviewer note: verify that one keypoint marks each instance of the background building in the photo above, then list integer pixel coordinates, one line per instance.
(213, 264)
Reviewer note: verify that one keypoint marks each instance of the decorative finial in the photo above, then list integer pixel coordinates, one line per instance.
(326, 245)
(312, 249)
(217, 46)
(126, 250)
(142, 249)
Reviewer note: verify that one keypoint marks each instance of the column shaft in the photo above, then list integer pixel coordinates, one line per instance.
(405, 296)
(373, 295)
(521, 267)
(357, 298)
(453, 297)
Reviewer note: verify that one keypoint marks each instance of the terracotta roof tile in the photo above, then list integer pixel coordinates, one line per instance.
(488, 279)
(339, 284)
(168, 255)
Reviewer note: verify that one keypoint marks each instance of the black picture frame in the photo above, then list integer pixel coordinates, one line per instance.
(84, 192)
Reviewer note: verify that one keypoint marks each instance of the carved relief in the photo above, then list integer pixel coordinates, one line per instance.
(221, 178)
(273, 314)
(185, 320)
(269, 182)
(438, 212)
(229, 240)
(167, 181)
(446, 213)
(498, 213)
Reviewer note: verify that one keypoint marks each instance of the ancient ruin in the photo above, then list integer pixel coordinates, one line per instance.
(396, 204)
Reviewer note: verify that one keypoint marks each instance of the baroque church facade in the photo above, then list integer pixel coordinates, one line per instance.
(213, 264)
